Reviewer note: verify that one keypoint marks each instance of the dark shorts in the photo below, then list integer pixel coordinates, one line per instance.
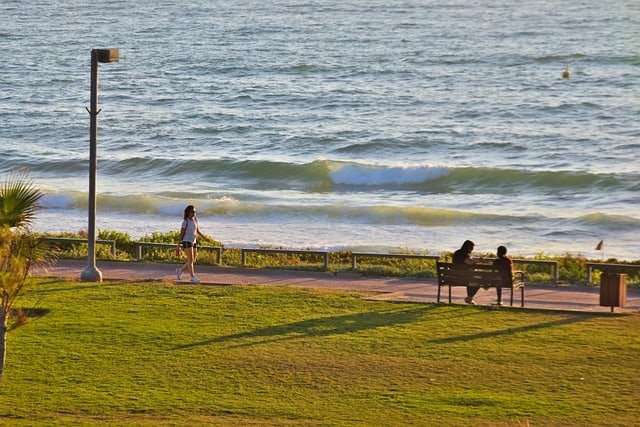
(186, 245)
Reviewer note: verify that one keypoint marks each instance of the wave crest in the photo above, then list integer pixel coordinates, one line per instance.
(323, 175)
(356, 174)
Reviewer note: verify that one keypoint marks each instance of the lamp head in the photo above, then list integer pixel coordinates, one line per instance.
(107, 55)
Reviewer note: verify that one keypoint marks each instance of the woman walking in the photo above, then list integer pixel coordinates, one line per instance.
(187, 241)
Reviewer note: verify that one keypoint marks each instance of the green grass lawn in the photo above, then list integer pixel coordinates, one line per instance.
(162, 354)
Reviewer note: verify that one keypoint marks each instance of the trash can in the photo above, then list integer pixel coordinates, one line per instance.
(613, 290)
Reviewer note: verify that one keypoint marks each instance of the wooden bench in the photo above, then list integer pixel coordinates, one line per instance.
(609, 268)
(356, 255)
(323, 254)
(140, 245)
(71, 241)
(477, 275)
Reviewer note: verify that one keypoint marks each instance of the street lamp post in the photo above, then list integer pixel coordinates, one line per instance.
(91, 272)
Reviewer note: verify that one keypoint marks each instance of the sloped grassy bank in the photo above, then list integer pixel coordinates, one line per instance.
(572, 267)
(162, 354)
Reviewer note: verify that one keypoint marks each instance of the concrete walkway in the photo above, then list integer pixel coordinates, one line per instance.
(548, 297)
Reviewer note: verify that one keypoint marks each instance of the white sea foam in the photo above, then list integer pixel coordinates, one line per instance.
(352, 174)
(57, 201)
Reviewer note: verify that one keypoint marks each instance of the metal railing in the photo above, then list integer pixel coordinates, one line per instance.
(608, 267)
(356, 255)
(71, 240)
(141, 245)
(323, 254)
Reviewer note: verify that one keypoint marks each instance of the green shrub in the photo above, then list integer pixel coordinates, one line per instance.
(157, 237)
(572, 268)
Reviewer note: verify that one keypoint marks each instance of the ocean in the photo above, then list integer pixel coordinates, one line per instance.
(366, 125)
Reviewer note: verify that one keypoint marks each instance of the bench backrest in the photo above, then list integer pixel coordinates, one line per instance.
(478, 275)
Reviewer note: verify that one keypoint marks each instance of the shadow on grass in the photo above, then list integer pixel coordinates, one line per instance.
(66, 285)
(30, 312)
(512, 331)
(20, 316)
(319, 327)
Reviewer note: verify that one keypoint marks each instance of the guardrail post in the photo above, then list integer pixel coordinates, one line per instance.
(555, 273)
(139, 248)
(243, 256)
(353, 261)
(326, 260)
(588, 274)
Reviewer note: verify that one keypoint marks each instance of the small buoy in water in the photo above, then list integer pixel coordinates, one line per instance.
(566, 73)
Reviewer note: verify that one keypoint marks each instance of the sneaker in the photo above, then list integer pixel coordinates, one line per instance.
(194, 279)
(179, 273)
(469, 300)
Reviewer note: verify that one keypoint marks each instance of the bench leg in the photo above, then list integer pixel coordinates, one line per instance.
(522, 296)
(439, 287)
(511, 303)
(449, 294)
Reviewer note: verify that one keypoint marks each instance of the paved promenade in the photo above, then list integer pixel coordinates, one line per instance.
(548, 297)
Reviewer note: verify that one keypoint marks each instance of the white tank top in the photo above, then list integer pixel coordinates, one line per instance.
(190, 227)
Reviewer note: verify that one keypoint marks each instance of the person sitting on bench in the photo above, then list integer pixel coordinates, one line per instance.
(462, 260)
(505, 266)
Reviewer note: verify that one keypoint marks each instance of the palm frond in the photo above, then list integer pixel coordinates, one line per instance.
(18, 201)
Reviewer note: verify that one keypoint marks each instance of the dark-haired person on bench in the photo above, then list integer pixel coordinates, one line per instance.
(462, 260)
(505, 266)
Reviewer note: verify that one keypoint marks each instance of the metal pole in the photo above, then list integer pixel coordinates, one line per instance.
(91, 273)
